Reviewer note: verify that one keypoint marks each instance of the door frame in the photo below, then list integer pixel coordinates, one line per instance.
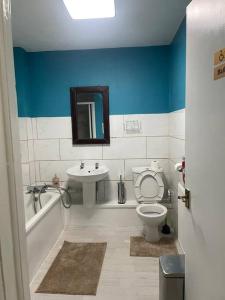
(13, 257)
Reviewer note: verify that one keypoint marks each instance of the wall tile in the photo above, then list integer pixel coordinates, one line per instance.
(100, 192)
(31, 150)
(121, 148)
(176, 149)
(37, 171)
(177, 124)
(23, 128)
(157, 147)
(116, 168)
(34, 128)
(151, 124)
(124, 152)
(110, 191)
(54, 152)
(49, 168)
(79, 152)
(26, 174)
(131, 163)
(32, 173)
(24, 151)
(116, 125)
(29, 129)
(51, 128)
(130, 195)
(46, 149)
(76, 192)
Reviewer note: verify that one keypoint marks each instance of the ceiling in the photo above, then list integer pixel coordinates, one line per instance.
(44, 25)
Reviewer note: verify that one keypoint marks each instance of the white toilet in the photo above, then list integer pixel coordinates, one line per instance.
(149, 190)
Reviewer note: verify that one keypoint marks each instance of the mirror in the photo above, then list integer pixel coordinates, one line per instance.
(90, 115)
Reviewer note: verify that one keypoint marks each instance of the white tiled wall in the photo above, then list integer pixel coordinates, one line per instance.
(46, 146)
(46, 150)
(27, 134)
(176, 152)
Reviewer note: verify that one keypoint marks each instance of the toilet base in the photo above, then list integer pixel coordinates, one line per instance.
(151, 233)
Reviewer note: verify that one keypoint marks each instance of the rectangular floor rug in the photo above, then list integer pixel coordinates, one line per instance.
(139, 247)
(75, 270)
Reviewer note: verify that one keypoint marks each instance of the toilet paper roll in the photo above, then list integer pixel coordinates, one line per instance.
(178, 167)
(155, 166)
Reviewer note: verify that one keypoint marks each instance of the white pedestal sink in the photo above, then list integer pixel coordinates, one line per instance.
(89, 175)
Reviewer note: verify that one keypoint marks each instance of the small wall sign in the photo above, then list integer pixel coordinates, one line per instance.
(219, 57)
(219, 64)
(219, 72)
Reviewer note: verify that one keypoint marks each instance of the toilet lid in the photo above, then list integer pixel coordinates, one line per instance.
(149, 187)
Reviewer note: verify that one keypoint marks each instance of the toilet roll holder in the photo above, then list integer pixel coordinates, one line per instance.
(186, 198)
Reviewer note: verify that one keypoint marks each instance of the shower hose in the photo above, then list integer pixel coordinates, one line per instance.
(66, 201)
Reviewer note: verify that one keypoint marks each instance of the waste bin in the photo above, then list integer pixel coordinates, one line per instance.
(171, 277)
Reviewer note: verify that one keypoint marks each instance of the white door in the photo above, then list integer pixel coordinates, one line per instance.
(13, 263)
(202, 228)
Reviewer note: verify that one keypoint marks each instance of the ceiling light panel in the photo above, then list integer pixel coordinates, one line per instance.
(90, 9)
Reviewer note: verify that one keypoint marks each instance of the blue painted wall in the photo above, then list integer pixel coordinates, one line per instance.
(22, 82)
(141, 80)
(178, 69)
(137, 78)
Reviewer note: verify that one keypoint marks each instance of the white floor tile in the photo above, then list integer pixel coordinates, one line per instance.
(122, 278)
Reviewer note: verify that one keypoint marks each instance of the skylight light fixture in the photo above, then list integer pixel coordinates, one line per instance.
(90, 9)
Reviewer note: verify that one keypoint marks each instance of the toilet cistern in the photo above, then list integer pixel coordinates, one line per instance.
(88, 175)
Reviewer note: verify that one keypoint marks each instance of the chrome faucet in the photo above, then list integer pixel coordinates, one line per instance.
(82, 165)
(35, 189)
(96, 165)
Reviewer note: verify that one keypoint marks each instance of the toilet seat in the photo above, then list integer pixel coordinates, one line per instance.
(149, 187)
(152, 211)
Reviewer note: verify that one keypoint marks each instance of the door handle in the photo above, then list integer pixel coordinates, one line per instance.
(186, 198)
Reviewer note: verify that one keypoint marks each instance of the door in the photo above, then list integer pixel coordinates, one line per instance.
(13, 264)
(202, 228)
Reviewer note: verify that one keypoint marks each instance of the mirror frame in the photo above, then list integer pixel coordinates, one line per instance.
(74, 91)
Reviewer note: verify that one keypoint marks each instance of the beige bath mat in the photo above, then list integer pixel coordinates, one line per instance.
(75, 270)
(139, 247)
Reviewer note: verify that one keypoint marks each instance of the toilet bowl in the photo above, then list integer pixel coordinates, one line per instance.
(149, 189)
(152, 215)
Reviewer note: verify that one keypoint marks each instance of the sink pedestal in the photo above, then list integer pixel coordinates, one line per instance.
(89, 194)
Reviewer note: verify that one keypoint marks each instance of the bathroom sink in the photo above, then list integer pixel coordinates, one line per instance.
(88, 173)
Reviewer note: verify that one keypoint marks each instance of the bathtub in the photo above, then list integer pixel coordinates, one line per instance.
(42, 228)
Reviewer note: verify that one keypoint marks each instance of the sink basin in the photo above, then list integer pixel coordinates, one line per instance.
(88, 173)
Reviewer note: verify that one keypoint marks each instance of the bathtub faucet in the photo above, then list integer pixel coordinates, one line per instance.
(36, 189)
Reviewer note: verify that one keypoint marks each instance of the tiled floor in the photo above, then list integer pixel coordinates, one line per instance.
(123, 277)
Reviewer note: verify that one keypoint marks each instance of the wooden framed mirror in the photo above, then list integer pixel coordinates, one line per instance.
(90, 115)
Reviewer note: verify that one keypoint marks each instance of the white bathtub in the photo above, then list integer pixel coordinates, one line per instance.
(43, 228)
